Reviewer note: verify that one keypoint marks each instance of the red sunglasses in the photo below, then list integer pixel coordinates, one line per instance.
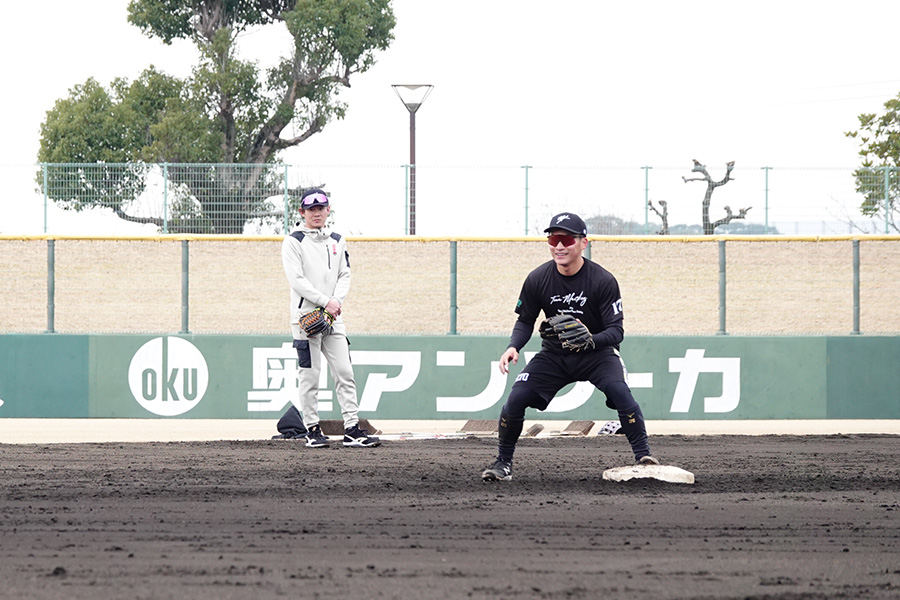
(556, 238)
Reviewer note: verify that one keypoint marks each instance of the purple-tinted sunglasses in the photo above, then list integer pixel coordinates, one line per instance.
(317, 198)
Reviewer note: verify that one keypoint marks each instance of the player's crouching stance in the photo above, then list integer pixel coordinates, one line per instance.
(317, 266)
(581, 336)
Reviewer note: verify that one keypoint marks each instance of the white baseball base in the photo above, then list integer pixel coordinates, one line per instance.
(660, 472)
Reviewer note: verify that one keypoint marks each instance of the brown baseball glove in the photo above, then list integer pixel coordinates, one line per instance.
(316, 322)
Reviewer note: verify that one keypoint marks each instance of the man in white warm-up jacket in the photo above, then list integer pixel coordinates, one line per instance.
(317, 266)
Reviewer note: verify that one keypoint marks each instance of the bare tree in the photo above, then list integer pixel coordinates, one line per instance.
(710, 227)
(664, 215)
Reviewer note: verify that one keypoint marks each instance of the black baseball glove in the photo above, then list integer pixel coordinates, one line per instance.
(316, 322)
(571, 333)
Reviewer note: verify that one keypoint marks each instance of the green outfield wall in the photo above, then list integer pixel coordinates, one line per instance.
(443, 377)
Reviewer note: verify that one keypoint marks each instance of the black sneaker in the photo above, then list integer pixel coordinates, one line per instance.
(315, 438)
(354, 437)
(648, 460)
(501, 470)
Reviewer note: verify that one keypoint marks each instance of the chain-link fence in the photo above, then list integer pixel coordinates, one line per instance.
(698, 285)
(149, 199)
(177, 198)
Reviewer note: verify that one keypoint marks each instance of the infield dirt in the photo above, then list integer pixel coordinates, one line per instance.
(769, 517)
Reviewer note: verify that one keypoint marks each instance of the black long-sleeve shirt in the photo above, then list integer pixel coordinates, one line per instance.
(591, 295)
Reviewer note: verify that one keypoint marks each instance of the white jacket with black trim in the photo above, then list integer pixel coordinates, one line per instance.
(317, 267)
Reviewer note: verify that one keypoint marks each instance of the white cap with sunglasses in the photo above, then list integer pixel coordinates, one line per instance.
(313, 197)
(568, 222)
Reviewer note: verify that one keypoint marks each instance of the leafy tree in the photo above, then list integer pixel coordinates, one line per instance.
(879, 138)
(228, 112)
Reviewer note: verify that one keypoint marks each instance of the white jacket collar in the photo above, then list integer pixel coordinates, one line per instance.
(320, 233)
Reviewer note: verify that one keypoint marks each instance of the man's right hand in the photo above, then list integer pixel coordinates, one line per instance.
(510, 356)
(333, 307)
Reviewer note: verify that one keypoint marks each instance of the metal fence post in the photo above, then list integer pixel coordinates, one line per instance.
(406, 199)
(646, 199)
(453, 306)
(185, 286)
(887, 200)
(887, 178)
(722, 330)
(526, 167)
(855, 288)
(287, 216)
(44, 173)
(767, 169)
(51, 285)
(165, 198)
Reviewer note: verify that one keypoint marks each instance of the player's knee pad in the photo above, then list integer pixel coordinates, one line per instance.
(512, 419)
(520, 398)
(619, 397)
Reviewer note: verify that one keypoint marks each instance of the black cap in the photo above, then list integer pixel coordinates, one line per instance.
(568, 221)
(313, 197)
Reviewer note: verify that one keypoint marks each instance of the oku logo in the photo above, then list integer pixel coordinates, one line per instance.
(168, 376)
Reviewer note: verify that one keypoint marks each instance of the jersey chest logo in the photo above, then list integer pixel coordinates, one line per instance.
(578, 299)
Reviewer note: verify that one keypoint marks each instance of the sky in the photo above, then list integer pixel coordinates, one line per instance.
(584, 92)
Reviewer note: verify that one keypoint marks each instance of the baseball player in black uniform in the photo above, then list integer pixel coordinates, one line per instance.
(569, 283)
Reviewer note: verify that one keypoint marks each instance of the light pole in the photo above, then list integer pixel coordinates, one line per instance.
(412, 97)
